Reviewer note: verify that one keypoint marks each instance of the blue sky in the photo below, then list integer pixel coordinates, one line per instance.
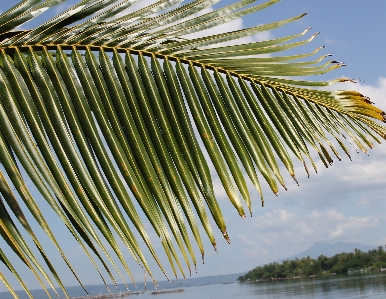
(346, 202)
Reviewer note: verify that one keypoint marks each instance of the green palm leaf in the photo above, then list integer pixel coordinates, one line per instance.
(98, 108)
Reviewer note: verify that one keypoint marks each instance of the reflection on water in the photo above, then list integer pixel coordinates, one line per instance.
(358, 286)
(334, 287)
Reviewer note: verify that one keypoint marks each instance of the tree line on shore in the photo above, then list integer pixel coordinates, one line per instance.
(342, 263)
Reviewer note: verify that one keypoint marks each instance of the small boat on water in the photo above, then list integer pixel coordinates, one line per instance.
(107, 296)
(167, 291)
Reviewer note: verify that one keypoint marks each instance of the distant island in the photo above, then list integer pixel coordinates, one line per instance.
(342, 263)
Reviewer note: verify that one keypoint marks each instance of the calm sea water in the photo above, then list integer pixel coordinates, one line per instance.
(334, 287)
(365, 286)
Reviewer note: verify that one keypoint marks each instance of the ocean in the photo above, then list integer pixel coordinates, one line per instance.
(348, 286)
(365, 286)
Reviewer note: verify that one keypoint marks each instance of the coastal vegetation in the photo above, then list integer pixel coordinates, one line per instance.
(342, 263)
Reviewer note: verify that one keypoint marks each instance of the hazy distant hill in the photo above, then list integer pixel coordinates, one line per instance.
(329, 249)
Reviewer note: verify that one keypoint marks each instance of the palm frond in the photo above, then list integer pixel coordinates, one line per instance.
(99, 107)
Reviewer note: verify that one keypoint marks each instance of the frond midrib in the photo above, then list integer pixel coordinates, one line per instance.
(286, 88)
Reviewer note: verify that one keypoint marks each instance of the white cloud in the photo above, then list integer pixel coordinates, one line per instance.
(262, 36)
(277, 219)
(365, 173)
(358, 183)
(329, 41)
(271, 231)
(351, 226)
